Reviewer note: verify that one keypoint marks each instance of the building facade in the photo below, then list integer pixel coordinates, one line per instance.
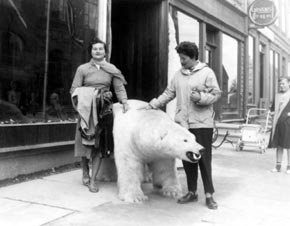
(220, 29)
(268, 56)
(42, 43)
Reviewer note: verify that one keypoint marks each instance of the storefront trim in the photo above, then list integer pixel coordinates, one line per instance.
(36, 146)
(25, 135)
(221, 17)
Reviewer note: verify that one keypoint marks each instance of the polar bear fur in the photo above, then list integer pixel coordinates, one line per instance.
(149, 136)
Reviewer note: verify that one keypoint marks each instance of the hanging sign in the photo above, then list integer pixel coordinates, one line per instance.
(262, 12)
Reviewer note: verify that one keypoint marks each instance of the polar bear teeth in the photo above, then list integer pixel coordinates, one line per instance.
(193, 156)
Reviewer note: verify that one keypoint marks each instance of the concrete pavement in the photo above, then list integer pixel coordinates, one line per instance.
(247, 192)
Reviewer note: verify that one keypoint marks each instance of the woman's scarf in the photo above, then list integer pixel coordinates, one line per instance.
(113, 70)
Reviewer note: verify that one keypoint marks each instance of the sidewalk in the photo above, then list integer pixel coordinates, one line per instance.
(247, 192)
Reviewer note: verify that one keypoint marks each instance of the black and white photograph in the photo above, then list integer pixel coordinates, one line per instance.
(144, 112)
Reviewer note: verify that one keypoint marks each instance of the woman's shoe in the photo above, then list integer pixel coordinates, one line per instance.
(210, 203)
(86, 179)
(93, 187)
(189, 197)
(275, 170)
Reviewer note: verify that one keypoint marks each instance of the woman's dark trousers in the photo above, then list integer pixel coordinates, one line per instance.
(204, 138)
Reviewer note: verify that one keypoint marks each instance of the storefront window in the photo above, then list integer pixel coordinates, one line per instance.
(262, 49)
(277, 65)
(23, 56)
(230, 73)
(288, 16)
(284, 66)
(288, 73)
(271, 76)
(251, 80)
(188, 28)
(277, 69)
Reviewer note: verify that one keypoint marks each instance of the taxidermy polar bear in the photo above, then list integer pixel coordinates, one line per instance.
(149, 136)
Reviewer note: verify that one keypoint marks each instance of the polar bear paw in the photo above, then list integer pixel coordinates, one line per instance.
(172, 192)
(134, 198)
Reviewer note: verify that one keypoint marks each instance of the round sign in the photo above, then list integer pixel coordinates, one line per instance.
(263, 12)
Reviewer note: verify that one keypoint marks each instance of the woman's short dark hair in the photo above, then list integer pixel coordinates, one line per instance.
(188, 48)
(95, 41)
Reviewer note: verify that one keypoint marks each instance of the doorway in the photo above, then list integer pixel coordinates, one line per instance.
(139, 45)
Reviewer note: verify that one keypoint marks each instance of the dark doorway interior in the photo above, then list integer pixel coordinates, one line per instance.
(139, 46)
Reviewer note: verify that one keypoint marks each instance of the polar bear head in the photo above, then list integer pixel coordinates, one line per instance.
(153, 135)
(180, 142)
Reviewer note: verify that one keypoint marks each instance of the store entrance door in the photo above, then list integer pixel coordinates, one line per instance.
(139, 45)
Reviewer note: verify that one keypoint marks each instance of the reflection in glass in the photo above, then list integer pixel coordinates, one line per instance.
(251, 71)
(288, 67)
(188, 28)
(208, 56)
(272, 81)
(283, 66)
(22, 53)
(262, 69)
(230, 70)
(277, 65)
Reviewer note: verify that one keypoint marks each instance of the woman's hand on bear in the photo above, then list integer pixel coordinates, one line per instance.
(126, 106)
(149, 107)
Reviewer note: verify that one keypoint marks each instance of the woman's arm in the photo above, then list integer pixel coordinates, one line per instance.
(121, 93)
(168, 95)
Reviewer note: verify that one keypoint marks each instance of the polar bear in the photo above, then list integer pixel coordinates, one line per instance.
(149, 136)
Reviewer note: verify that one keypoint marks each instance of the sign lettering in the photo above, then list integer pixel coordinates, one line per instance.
(262, 12)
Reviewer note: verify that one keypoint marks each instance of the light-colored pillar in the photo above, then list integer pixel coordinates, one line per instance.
(173, 63)
(102, 26)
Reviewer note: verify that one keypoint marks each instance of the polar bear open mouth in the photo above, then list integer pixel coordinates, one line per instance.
(193, 157)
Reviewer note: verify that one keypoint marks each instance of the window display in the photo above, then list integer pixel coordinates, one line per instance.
(230, 73)
(251, 80)
(23, 46)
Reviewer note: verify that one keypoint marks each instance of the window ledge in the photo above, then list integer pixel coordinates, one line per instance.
(35, 146)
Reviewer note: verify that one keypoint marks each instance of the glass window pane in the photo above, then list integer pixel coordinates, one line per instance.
(230, 72)
(262, 69)
(288, 68)
(276, 70)
(251, 81)
(188, 28)
(283, 66)
(272, 81)
(22, 56)
(277, 65)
